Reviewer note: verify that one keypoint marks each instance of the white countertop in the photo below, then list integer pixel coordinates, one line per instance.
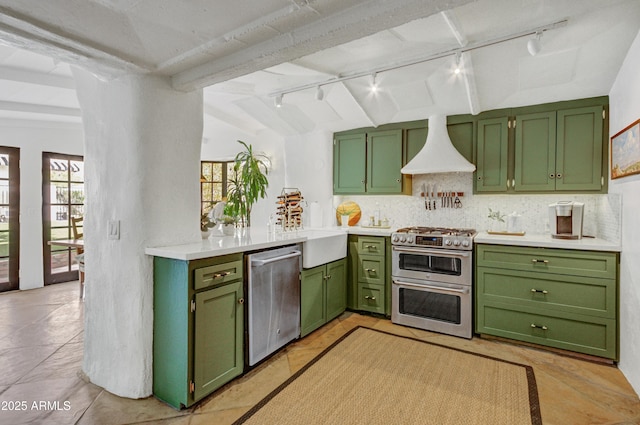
(546, 241)
(250, 239)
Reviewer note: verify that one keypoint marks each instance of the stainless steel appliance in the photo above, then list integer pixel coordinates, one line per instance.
(432, 279)
(273, 299)
(565, 219)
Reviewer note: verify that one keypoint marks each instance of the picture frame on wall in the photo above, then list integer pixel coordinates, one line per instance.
(625, 151)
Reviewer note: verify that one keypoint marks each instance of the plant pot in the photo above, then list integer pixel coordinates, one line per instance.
(228, 229)
(205, 233)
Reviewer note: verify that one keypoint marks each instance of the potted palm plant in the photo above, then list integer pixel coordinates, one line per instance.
(248, 183)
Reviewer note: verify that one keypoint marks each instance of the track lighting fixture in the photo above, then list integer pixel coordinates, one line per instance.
(533, 45)
(457, 69)
(374, 84)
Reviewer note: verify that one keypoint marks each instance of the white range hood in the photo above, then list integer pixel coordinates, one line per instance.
(438, 154)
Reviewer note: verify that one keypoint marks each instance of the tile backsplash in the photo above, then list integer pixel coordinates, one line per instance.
(602, 213)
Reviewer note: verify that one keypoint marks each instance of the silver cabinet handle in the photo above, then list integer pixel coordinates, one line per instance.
(274, 259)
(370, 270)
(544, 328)
(542, 291)
(534, 260)
(368, 297)
(219, 275)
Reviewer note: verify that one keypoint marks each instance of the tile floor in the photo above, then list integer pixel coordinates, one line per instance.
(41, 358)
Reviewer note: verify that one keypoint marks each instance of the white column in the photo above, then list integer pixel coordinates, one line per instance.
(142, 169)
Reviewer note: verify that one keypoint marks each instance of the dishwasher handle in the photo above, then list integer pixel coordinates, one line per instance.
(256, 262)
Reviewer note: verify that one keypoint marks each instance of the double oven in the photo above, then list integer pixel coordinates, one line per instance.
(432, 279)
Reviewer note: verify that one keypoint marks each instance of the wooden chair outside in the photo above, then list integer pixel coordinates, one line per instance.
(77, 228)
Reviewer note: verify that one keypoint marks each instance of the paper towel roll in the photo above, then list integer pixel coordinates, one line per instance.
(315, 214)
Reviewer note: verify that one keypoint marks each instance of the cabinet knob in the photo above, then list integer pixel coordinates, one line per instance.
(558, 176)
(479, 177)
(552, 176)
(241, 301)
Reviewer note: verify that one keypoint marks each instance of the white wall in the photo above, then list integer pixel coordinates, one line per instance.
(34, 137)
(220, 143)
(625, 109)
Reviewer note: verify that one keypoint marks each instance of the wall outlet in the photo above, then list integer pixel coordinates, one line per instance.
(114, 229)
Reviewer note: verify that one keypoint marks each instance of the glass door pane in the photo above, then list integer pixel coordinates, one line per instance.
(9, 218)
(63, 198)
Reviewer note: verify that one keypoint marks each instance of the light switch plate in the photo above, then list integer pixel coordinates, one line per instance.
(114, 229)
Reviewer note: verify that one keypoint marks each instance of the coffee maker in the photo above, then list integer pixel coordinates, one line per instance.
(565, 219)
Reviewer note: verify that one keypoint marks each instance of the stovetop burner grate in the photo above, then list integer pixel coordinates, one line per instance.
(437, 231)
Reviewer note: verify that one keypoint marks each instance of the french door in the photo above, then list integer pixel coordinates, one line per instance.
(9, 218)
(62, 199)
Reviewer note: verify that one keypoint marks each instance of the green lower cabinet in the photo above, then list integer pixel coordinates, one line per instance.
(198, 327)
(218, 338)
(323, 295)
(371, 298)
(369, 287)
(561, 298)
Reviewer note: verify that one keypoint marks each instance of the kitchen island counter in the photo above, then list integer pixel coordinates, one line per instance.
(249, 239)
(546, 241)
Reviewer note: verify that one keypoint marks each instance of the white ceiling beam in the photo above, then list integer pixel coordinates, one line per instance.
(38, 78)
(465, 58)
(363, 19)
(39, 109)
(28, 34)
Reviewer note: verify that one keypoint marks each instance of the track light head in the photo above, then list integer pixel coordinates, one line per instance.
(319, 93)
(374, 84)
(533, 45)
(278, 101)
(457, 69)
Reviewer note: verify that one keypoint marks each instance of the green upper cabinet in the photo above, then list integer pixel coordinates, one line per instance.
(349, 163)
(414, 139)
(492, 158)
(558, 147)
(535, 156)
(579, 149)
(384, 161)
(368, 162)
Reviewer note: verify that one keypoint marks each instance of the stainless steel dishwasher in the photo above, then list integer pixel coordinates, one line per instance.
(274, 300)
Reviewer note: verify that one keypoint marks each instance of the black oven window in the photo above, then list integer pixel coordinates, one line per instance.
(430, 305)
(431, 264)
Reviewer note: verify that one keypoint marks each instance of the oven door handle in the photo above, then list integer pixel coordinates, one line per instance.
(423, 251)
(435, 288)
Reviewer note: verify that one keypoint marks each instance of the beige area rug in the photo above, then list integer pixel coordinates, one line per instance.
(373, 377)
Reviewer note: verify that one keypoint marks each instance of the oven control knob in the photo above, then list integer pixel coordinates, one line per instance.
(403, 239)
(396, 238)
(465, 243)
(410, 239)
(448, 243)
(456, 243)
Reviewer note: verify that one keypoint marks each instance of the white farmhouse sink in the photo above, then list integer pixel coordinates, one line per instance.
(323, 246)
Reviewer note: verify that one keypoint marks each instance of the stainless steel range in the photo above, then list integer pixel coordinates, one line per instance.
(432, 279)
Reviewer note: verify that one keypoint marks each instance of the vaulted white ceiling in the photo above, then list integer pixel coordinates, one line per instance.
(245, 52)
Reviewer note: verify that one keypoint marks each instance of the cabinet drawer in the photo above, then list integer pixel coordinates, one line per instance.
(371, 246)
(371, 298)
(217, 274)
(590, 335)
(582, 295)
(547, 260)
(371, 270)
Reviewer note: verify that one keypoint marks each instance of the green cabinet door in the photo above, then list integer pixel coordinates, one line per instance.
(218, 355)
(384, 161)
(579, 149)
(336, 288)
(312, 300)
(492, 150)
(349, 163)
(461, 133)
(535, 152)
(414, 139)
